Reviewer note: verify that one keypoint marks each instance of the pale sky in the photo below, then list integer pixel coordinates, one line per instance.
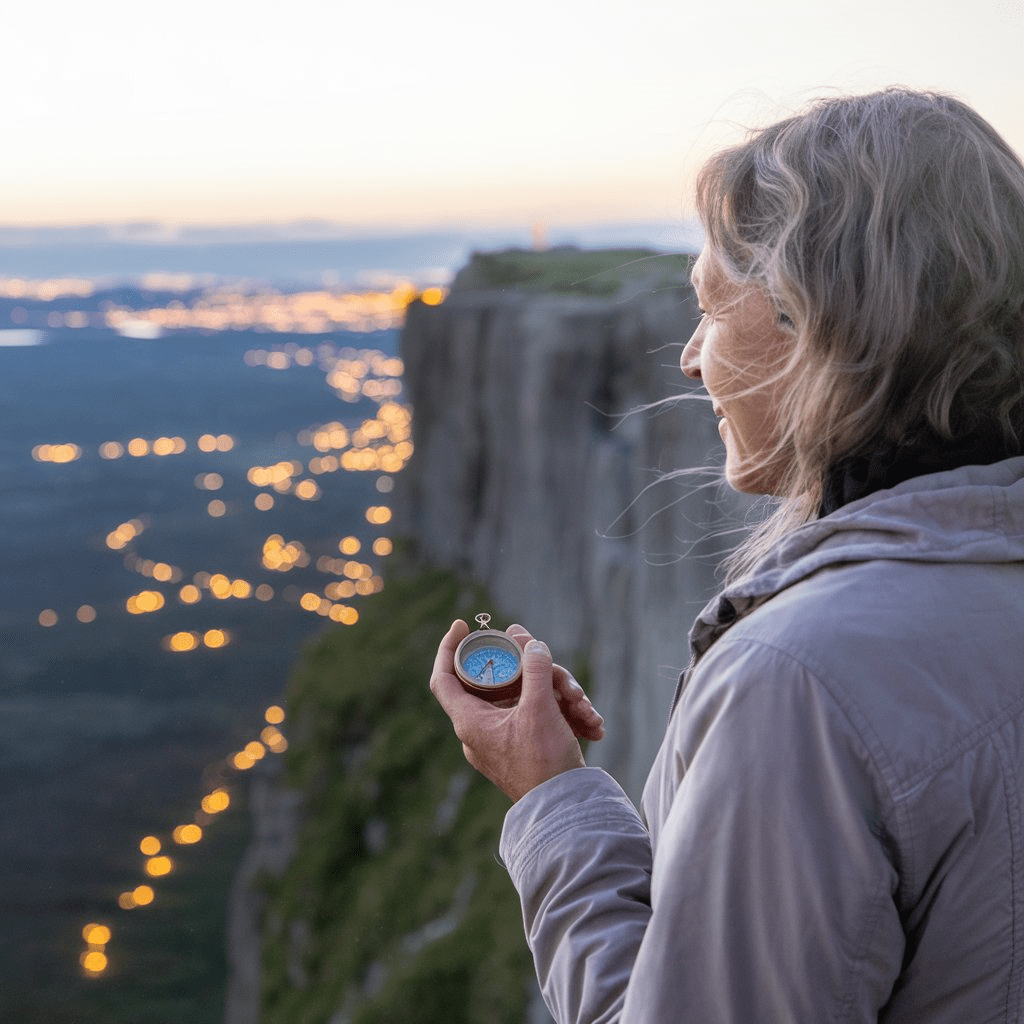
(452, 112)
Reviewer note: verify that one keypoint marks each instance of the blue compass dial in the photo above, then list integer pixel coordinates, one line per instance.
(490, 666)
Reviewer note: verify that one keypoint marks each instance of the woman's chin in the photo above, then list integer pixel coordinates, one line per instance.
(749, 479)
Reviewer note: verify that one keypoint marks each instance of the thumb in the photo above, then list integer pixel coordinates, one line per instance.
(538, 686)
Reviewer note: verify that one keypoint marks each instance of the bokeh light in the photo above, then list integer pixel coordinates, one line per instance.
(186, 835)
(143, 895)
(158, 866)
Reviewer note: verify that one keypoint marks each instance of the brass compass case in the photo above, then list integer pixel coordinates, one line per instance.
(489, 663)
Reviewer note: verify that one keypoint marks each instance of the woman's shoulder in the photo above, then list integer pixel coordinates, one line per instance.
(911, 657)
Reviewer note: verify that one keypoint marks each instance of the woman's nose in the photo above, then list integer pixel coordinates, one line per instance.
(689, 361)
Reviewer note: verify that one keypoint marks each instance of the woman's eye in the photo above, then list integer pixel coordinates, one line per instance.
(785, 319)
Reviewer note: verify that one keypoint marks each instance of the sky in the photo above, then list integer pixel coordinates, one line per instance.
(454, 112)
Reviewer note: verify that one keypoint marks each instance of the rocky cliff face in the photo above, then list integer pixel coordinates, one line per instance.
(536, 475)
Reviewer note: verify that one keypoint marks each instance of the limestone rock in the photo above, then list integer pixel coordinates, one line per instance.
(535, 474)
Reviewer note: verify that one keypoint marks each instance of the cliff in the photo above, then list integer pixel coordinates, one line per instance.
(545, 437)
(539, 467)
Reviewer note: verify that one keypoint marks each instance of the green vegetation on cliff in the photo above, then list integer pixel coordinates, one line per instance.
(394, 907)
(566, 270)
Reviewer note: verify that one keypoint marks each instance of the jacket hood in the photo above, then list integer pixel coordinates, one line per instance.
(969, 514)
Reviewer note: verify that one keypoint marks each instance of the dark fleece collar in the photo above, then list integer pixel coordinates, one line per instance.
(857, 476)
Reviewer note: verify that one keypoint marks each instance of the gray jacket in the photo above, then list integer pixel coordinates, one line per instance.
(835, 821)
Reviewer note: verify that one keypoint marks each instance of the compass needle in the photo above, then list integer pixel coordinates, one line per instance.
(489, 663)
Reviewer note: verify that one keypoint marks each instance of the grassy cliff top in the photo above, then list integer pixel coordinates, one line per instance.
(393, 907)
(568, 270)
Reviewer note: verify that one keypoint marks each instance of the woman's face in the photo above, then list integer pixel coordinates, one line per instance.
(737, 352)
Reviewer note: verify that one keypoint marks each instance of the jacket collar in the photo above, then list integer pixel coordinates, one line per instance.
(969, 514)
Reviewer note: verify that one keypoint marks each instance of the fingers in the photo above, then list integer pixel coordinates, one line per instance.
(540, 678)
(445, 659)
(576, 707)
(444, 684)
(538, 687)
(520, 634)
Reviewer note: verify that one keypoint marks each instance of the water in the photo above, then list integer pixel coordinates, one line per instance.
(105, 735)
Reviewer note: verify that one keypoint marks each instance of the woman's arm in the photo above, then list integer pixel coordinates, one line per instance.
(770, 894)
(520, 747)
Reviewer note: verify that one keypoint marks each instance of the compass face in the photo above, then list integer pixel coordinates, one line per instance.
(490, 665)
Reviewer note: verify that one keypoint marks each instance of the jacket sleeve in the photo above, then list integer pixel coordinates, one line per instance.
(770, 892)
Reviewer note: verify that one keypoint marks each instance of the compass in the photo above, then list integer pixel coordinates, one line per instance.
(489, 663)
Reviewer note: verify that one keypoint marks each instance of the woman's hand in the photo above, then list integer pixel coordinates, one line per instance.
(520, 747)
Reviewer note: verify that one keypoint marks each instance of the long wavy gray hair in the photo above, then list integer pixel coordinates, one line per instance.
(888, 229)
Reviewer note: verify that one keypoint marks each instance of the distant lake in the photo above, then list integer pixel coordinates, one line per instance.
(107, 733)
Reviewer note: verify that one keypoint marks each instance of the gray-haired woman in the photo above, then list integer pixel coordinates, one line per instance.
(833, 829)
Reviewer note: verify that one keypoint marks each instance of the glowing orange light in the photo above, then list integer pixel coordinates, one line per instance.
(255, 750)
(309, 602)
(47, 617)
(86, 613)
(186, 835)
(138, 446)
(264, 502)
(142, 895)
(111, 450)
(94, 961)
(207, 443)
(212, 481)
(274, 715)
(241, 589)
(432, 296)
(145, 601)
(163, 446)
(216, 508)
(242, 761)
(126, 901)
(149, 846)
(182, 641)
(162, 572)
(217, 801)
(157, 866)
(189, 594)
(96, 934)
(382, 546)
(349, 545)
(215, 638)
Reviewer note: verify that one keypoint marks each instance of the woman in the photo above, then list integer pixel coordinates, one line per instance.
(833, 829)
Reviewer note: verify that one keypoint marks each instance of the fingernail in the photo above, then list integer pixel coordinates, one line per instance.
(536, 647)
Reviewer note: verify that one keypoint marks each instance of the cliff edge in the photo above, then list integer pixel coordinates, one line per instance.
(544, 426)
(549, 416)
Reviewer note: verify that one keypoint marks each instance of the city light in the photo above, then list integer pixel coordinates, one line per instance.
(186, 596)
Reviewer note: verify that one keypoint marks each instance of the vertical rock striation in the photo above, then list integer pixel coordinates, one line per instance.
(544, 430)
(530, 477)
